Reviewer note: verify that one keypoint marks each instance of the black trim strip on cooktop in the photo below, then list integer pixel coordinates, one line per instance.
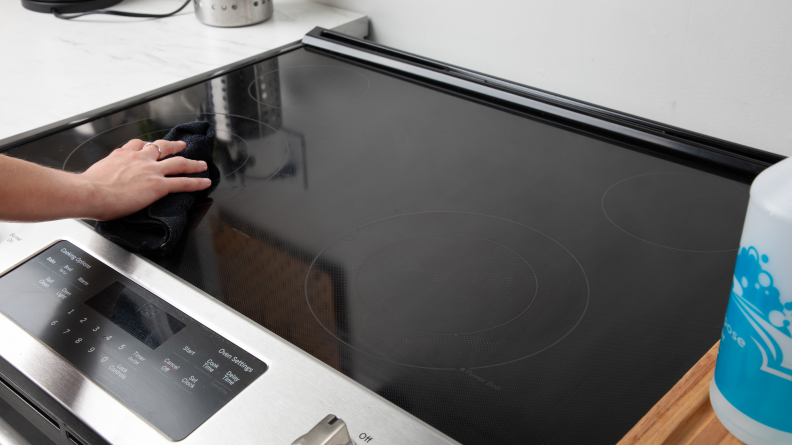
(723, 153)
(40, 132)
(736, 157)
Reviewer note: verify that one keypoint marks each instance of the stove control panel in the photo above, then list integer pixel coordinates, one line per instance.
(170, 369)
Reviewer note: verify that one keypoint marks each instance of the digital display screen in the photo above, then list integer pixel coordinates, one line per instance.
(136, 315)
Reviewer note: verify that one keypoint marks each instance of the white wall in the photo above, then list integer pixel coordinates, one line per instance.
(718, 67)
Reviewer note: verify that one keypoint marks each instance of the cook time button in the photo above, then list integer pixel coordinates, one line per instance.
(210, 365)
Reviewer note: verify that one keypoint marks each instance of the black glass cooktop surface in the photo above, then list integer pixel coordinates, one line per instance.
(504, 279)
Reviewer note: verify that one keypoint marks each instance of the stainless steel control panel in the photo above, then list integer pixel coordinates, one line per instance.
(280, 407)
(173, 371)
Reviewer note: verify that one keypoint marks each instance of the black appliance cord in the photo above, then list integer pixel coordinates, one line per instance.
(121, 13)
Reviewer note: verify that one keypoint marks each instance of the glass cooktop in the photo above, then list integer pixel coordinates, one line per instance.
(504, 279)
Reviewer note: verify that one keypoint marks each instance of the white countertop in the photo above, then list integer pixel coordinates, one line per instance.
(54, 69)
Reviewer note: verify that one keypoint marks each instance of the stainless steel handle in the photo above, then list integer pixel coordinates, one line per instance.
(8, 435)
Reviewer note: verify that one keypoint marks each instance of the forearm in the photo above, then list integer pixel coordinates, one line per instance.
(30, 192)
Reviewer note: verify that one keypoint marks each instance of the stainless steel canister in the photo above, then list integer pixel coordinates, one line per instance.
(230, 13)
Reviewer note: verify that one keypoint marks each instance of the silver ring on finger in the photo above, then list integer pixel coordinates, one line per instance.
(158, 149)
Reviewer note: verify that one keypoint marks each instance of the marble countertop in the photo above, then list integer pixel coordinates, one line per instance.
(55, 69)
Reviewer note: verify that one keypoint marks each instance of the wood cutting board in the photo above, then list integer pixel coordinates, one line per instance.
(684, 416)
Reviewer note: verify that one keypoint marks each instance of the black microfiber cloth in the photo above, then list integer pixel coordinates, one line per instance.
(157, 228)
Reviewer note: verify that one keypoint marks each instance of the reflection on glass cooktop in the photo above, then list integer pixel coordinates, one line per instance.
(503, 279)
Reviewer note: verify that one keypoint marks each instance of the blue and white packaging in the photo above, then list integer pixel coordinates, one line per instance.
(751, 392)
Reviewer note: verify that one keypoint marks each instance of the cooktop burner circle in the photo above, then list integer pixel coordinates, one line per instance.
(448, 290)
(445, 284)
(309, 87)
(678, 211)
(247, 152)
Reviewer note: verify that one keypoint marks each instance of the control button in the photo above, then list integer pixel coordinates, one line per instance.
(169, 365)
(46, 282)
(136, 358)
(190, 381)
(119, 370)
(82, 281)
(188, 350)
(13, 237)
(210, 365)
(230, 378)
(330, 431)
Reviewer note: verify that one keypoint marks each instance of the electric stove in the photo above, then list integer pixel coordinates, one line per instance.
(505, 264)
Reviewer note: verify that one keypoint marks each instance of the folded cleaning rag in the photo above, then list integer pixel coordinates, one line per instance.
(157, 228)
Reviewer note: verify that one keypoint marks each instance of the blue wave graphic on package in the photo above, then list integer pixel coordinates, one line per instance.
(766, 310)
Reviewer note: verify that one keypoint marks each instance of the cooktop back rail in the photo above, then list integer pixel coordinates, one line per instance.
(649, 134)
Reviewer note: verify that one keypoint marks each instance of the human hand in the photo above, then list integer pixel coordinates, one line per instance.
(132, 177)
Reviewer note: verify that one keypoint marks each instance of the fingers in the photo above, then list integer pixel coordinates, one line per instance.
(179, 165)
(166, 147)
(178, 185)
(133, 145)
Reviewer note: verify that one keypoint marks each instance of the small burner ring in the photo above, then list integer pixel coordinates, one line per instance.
(678, 211)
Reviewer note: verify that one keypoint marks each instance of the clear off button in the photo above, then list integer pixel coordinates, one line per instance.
(169, 365)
